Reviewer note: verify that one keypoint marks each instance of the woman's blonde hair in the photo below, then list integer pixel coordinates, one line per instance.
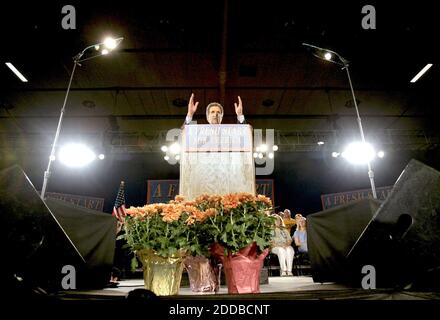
(299, 218)
(279, 218)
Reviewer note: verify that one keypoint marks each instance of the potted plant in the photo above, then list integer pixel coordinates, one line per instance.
(162, 235)
(235, 228)
(240, 228)
(203, 271)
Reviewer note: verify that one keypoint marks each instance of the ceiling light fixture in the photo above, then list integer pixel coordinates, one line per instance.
(16, 72)
(421, 73)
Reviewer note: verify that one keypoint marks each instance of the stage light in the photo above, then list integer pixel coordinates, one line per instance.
(260, 156)
(175, 148)
(164, 148)
(110, 43)
(263, 148)
(101, 156)
(76, 155)
(77, 61)
(320, 143)
(335, 154)
(270, 155)
(275, 148)
(359, 153)
(381, 154)
(255, 155)
(325, 54)
(166, 158)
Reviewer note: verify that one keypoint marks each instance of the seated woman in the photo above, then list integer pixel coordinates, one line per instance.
(300, 235)
(287, 219)
(281, 246)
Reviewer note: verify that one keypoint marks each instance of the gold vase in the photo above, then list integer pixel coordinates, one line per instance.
(161, 275)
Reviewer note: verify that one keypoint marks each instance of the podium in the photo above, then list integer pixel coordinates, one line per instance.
(216, 159)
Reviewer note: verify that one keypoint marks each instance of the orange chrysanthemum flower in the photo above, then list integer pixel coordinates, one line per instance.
(264, 199)
(211, 212)
(230, 201)
(202, 198)
(215, 201)
(179, 198)
(171, 212)
(246, 197)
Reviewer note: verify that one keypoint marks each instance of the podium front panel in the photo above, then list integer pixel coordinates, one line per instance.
(216, 159)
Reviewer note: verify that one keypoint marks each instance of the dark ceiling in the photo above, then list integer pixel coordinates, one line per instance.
(173, 48)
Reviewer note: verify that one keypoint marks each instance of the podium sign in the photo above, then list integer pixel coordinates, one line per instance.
(216, 159)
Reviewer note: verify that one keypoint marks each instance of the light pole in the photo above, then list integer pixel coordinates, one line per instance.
(327, 56)
(109, 44)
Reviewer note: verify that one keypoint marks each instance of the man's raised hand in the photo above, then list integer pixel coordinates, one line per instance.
(238, 107)
(192, 107)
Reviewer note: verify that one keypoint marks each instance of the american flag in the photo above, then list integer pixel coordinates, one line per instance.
(119, 208)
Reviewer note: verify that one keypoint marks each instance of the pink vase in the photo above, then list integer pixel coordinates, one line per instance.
(203, 274)
(242, 269)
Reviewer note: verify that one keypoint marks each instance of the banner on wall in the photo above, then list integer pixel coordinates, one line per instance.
(165, 190)
(82, 201)
(336, 199)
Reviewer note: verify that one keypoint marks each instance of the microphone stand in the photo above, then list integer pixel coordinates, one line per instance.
(344, 63)
(47, 173)
(76, 62)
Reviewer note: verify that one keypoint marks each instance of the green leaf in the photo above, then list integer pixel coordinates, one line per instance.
(134, 264)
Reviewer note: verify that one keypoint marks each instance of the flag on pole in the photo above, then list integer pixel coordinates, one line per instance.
(119, 208)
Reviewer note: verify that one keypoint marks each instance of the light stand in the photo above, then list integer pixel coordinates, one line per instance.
(344, 64)
(76, 61)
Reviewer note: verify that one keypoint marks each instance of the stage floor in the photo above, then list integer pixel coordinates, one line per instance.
(276, 284)
(278, 288)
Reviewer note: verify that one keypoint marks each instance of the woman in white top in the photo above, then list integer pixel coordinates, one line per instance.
(281, 246)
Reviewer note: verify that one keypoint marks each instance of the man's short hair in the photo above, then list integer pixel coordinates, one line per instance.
(214, 104)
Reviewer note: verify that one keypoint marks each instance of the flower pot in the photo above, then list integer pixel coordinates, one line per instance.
(203, 275)
(161, 275)
(242, 269)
